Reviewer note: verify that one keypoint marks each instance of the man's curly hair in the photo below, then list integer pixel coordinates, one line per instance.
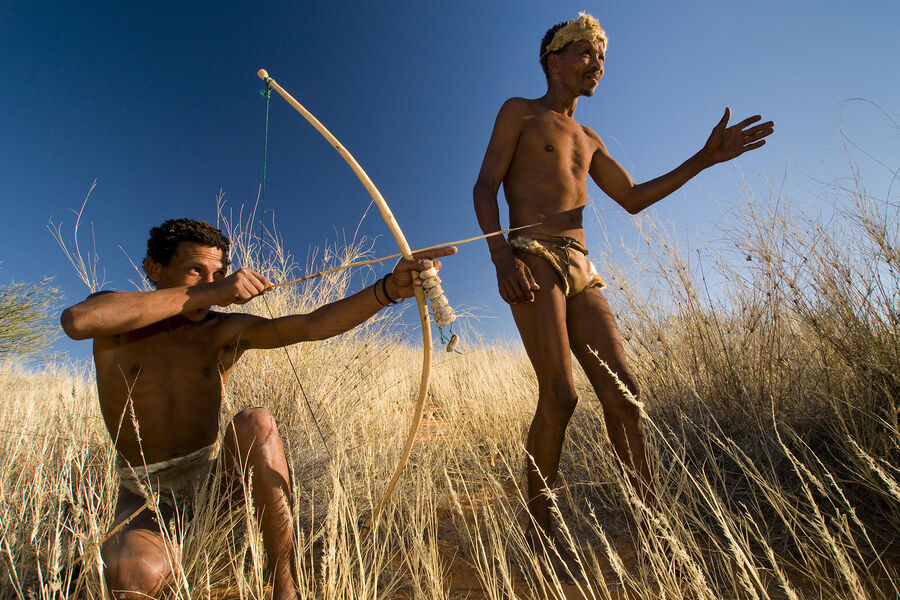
(165, 238)
(548, 37)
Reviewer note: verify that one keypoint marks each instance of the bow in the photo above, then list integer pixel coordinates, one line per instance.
(395, 230)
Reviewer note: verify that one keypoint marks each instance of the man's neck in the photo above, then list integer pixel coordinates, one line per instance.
(560, 101)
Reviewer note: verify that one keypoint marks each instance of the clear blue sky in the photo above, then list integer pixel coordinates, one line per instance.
(159, 102)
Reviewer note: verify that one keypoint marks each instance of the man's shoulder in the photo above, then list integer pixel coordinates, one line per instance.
(517, 104)
(589, 132)
(515, 112)
(99, 293)
(230, 324)
(215, 318)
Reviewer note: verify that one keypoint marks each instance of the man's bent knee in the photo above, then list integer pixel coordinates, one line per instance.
(254, 426)
(624, 407)
(620, 394)
(557, 400)
(136, 576)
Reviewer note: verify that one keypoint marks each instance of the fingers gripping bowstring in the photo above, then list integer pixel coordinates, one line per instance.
(267, 92)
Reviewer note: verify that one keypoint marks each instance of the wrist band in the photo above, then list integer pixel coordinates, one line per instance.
(384, 290)
(375, 291)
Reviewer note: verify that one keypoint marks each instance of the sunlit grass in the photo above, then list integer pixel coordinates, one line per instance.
(772, 413)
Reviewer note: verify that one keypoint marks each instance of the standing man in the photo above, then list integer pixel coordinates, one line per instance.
(162, 358)
(543, 156)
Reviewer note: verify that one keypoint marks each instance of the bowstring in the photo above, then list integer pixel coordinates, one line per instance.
(267, 92)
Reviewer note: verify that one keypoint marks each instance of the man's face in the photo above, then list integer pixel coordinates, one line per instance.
(580, 66)
(192, 264)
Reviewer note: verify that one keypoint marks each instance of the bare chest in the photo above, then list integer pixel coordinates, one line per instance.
(183, 353)
(160, 389)
(558, 143)
(167, 369)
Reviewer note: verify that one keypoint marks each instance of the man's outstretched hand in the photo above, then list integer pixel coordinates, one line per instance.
(725, 142)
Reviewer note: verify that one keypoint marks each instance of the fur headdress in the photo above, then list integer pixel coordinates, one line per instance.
(585, 27)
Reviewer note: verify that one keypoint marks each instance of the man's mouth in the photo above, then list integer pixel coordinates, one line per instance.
(593, 77)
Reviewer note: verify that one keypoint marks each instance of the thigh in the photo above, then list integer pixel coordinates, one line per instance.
(594, 337)
(542, 324)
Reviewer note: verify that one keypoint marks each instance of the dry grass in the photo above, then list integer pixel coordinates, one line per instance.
(771, 386)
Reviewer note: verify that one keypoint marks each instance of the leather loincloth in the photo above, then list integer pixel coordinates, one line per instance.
(566, 255)
(172, 482)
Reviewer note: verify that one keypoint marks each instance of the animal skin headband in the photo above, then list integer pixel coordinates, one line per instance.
(585, 27)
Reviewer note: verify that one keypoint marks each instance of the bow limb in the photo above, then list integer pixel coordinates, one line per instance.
(395, 230)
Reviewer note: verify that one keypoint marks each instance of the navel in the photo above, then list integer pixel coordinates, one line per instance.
(548, 148)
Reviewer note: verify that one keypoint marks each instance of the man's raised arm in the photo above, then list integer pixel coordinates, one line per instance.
(111, 313)
(724, 143)
(513, 277)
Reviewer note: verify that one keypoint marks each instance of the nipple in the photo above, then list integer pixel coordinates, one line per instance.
(548, 148)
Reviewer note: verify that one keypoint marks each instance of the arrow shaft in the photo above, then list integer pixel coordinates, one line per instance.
(397, 255)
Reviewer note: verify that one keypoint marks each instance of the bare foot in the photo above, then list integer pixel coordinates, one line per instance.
(284, 592)
(554, 555)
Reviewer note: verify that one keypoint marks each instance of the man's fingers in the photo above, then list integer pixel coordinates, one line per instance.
(510, 291)
(258, 285)
(748, 121)
(767, 126)
(507, 293)
(256, 280)
(525, 285)
(757, 136)
(760, 131)
(724, 120)
(423, 260)
(435, 253)
(749, 147)
(523, 294)
(251, 285)
(262, 285)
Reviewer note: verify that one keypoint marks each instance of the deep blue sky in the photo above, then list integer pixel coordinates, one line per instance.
(159, 102)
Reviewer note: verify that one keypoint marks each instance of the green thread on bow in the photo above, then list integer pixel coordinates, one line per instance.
(262, 204)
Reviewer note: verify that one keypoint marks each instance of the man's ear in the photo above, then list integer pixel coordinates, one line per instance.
(151, 268)
(553, 62)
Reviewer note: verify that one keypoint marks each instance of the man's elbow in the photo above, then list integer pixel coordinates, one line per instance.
(74, 325)
(630, 200)
(477, 192)
(633, 208)
(483, 194)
